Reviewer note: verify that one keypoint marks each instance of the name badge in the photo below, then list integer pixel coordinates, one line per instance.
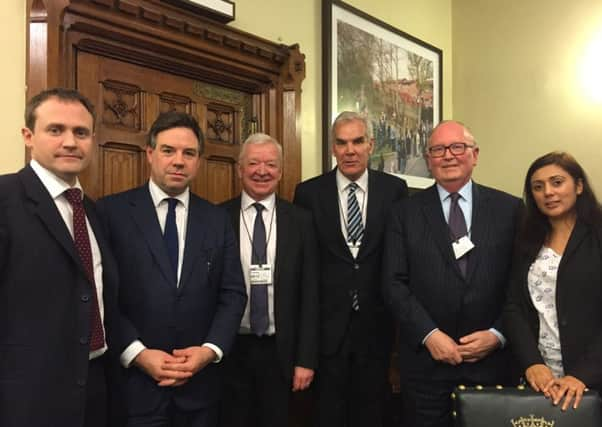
(260, 274)
(462, 246)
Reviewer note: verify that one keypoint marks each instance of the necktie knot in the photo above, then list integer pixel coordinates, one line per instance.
(454, 197)
(171, 203)
(352, 187)
(259, 207)
(73, 196)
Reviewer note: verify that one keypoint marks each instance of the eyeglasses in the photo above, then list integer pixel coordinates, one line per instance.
(456, 148)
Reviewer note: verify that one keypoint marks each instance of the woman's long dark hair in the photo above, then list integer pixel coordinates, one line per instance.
(535, 225)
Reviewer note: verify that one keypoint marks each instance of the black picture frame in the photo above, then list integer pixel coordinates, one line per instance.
(392, 77)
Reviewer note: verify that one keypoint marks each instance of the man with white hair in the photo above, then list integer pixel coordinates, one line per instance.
(276, 349)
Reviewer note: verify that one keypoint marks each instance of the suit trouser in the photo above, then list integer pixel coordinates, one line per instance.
(256, 393)
(97, 409)
(169, 415)
(352, 384)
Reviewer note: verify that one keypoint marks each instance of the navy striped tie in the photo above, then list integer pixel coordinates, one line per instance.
(355, 228)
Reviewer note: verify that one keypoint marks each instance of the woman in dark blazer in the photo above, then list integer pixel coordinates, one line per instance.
(553, 316)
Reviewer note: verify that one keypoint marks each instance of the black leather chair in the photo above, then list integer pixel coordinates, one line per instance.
(520, 407)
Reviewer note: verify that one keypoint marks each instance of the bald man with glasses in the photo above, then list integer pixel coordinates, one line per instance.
(446, 264)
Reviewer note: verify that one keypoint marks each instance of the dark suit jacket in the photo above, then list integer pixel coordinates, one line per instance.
(426, 290)
(295, 285)
(44, 308)
(205, 307)
(579, 307)
(340, 272)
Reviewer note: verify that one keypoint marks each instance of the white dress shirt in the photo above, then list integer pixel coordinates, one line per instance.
(159, 198)
(57, 187)
(361, 193)
(247, 222)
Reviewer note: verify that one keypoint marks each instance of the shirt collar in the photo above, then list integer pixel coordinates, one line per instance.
(159, 195)
(343, 181)
(54, 185)
(247, 201)
(465, 192)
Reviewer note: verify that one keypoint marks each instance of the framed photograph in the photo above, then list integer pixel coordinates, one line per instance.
(392, 78)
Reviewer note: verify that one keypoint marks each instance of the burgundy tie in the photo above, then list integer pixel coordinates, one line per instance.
(82, 243)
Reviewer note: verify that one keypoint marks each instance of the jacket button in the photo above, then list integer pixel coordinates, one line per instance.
(356, 266)
(83, 340)
(563, 322)
(81, 382)
(85, 298)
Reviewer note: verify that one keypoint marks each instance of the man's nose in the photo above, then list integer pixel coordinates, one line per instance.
(69, 140)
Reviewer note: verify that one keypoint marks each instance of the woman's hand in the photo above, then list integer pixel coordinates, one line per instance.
(540, 378)
(568, 386)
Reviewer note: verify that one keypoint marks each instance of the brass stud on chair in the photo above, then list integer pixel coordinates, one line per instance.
(479, 387)
(461, 387)
(520, 386)
(454, 414)
(453, 396)
(499, 387)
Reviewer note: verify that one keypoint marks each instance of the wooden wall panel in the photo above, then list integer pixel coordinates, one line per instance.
(220, 178)
(123, 167)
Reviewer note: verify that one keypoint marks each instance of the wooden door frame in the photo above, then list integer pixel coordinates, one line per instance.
(161, 36)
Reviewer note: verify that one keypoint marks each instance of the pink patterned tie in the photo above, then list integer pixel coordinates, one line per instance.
(82, 243)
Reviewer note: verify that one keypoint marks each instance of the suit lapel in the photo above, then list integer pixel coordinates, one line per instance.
(45, 208)
(283, 232)
(144, 215)
(329, 200)
(577, 235)
(480, 227)
(373, 210)
(195, 236)
(233, 208)
(433, 213)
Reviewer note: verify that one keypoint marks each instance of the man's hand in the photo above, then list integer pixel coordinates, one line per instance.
(302, 378)
(195, 358)
(153, 362)
(443, 348)
(474, 347)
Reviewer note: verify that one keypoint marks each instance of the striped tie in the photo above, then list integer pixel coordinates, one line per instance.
(355, 228)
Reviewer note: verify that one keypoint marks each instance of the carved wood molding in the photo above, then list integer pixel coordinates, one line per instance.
(155, 34)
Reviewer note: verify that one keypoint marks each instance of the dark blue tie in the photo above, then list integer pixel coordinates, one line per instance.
(457, 227)
(170, 235)
(259, 293)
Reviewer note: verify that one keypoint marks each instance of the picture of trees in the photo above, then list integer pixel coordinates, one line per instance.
(393, 87)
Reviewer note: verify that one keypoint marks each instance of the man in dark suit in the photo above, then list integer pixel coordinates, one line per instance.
(58, 289)
(276, 349)
(446, 266)
(349, 207)
(183, 293)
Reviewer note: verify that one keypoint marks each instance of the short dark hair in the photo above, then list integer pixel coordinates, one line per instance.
(175, 119)
(535, 226)
(63, 94)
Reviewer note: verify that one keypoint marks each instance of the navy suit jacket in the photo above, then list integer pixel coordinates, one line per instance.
(425, 288)
(295, 285)
(206, 306)
(44, 307)
(340, 272)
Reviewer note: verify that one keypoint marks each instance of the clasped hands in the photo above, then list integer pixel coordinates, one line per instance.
(172, 370)
(470, 348)
(541, 378)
